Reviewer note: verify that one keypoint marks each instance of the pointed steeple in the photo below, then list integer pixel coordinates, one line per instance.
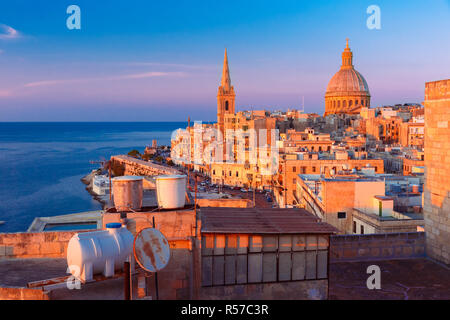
(347, 58)
(226, 80)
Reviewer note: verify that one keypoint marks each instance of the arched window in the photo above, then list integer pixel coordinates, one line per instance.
(350, 102)
(344, 103)
(226, 105)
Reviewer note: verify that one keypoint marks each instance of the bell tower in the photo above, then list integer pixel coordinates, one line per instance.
(225, 95)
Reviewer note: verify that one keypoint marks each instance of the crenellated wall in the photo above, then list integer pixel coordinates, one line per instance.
(123, 165)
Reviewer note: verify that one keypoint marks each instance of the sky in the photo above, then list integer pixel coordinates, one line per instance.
(162, 60)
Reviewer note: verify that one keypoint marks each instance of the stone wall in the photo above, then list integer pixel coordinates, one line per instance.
(128, 166)
(176, 280)
(225, 203)
(35, 245)
(369, 247)
(437, 172)
(18, 293)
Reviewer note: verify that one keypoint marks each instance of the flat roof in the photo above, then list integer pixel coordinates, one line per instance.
(262, 221)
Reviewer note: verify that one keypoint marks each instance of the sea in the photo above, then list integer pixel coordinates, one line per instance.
(41, 164)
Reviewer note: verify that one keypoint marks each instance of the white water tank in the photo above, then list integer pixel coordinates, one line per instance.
(99, 252)
(171, 191)
(128, 192)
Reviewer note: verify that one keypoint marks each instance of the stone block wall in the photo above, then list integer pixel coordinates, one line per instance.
(128, 166)
(437, 173)
(18, 293)
(35, 245)
(369, 247)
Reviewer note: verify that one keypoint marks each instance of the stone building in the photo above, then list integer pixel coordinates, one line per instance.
(437, 162)
(294, 164)
(355, 204)
(347, 92)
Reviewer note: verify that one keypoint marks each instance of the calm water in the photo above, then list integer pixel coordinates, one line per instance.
(41, 164)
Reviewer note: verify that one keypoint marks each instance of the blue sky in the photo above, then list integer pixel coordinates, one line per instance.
(162, 60)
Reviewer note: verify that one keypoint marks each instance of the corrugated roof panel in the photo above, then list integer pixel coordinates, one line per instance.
(261, 220)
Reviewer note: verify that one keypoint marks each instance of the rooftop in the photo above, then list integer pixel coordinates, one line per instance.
(399, 280)
(407, 279)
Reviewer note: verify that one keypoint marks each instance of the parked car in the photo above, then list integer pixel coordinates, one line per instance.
(243, 190)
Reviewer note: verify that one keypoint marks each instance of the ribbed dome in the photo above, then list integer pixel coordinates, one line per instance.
(347, 81)
(347, 92)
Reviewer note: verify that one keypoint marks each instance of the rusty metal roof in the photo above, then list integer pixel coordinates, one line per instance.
(262, 221)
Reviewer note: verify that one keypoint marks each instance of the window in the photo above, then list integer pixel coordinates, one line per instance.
(214, 172)
(342, 215)
(354, 226)
(226, 105)
(294, 181)
(230, 173)
(294, 169)
(237, 174)
(362, 229)
(238, 259)
(313, 169)
(303, 170)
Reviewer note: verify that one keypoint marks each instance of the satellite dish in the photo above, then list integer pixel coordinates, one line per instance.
(151, 250)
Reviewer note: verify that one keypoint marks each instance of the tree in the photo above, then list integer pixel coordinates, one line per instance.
(134, 153)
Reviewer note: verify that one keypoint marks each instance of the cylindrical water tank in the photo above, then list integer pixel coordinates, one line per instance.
(171, 191)
(128, 192)
(99, 252)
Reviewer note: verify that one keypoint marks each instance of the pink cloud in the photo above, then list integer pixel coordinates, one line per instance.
(120, 77)
(5, 93)
(7, 32)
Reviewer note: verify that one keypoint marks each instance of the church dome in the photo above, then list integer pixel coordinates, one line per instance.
(347, 92)
(346, 81)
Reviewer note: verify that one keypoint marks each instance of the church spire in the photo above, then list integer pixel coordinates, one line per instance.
(347, 58)
(226, 80)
